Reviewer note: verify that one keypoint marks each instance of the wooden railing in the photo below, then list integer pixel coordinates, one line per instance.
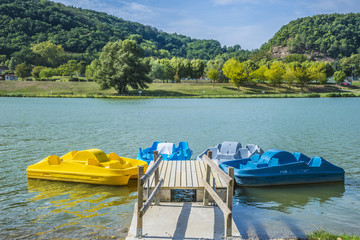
(226, 207)
(142, 179)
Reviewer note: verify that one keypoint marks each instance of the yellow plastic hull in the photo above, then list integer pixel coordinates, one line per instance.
(87, 166)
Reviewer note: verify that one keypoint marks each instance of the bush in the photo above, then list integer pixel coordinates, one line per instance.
(314, 95)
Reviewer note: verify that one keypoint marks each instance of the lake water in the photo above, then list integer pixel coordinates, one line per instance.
(33, 128)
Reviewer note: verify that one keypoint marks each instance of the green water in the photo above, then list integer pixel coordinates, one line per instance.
(33, 128)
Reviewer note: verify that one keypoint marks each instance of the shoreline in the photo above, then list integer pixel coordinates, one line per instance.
(215, 96)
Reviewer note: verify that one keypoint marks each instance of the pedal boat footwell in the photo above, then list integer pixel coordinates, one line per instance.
(87, 166)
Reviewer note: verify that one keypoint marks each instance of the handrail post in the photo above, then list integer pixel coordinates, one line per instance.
(229, 203)
(140, 202)
(208, 169)
(157, 177)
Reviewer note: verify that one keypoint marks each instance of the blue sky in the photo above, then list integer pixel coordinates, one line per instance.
(249, 23)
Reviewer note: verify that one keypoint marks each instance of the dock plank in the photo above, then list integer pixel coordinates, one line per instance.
(198, 172)
(188, 174)
(168, 174)
(178, 173)
(183, 175)
(173, 174)
(194, 174)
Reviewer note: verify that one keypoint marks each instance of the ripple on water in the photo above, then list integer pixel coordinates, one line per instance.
(31, 129)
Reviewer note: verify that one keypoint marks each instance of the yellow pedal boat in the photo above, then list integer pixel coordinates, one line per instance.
(87, 166)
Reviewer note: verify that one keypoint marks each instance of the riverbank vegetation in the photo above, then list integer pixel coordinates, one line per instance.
(186, 89)
(322, 235)
(47, 39)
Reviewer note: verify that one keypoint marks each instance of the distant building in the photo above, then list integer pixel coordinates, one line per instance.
(10, 77)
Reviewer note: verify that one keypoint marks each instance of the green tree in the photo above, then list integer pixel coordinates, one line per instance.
(258, 74)
(197, 68)
(3, 59)
(169, 71)
(120, 65)
(12, 64)
(212, 73)
(46, 73)
(69, 69)
(36, 71)
(157, 70)
(317, 72)
(235, 71)
(90, 69)
(275, 73)
(22, 71)
(339, 77)
(52, 54)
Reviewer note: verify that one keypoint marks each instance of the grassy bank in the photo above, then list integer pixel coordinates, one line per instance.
(322, 235)
(182, 90)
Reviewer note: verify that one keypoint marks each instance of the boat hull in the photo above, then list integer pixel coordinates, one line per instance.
(287, 179)
(257, 174)
(88, 166)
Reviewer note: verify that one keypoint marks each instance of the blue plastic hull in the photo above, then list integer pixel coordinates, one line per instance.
(285, 170)
(287, 179)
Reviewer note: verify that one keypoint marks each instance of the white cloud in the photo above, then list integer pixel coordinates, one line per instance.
(131, 11)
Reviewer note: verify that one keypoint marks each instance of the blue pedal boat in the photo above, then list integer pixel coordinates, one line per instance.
(276, 167)
(168, 151)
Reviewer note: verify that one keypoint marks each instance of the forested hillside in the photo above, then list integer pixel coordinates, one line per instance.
(26, 22)
(336, 35)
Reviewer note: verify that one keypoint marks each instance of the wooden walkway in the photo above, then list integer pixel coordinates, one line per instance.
(185, 175)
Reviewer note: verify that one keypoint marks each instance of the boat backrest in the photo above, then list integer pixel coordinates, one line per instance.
(54, 160)
(165, 148)
(214, 151)
(84, 155)
(251, 147)
(230, 147)
(315, 162)
(244, 153)
(273, 162)
(301, 157)
(154, 145)
(182, 146)
(255, 157)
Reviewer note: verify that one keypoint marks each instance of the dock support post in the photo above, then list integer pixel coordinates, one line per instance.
(229, 203)
(140, 202)
(206, 193)
(157, 177)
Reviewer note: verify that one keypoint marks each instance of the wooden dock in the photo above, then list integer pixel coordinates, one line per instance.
(181, 220)
(186, 175)
(190, 220)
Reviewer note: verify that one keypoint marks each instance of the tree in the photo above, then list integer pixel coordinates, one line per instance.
(22, 71)
(69, 69)
(12, 64)
(51, 54)
(197, 67)
(120, 65)
(46, 73)
(339, 77)
(157, 70)
(258, 74)
(275, 73)
(212, 73)
(169, 71)
(236, 71)
(317, 73)
(36, 71)
(90, 69)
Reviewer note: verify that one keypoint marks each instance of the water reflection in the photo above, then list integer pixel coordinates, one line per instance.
(65, 207)
(282, 198)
